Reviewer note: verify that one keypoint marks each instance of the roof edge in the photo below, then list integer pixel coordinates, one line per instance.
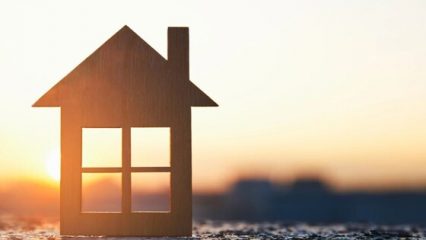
(200, 99)
(49, 99)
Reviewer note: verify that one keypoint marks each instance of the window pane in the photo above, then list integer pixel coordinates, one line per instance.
(101, 147)
(101, 192)
(151, 191)
(150, 147)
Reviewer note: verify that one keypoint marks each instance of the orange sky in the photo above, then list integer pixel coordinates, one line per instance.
(335, 89)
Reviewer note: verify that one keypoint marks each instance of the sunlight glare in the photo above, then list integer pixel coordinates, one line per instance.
(53, 165)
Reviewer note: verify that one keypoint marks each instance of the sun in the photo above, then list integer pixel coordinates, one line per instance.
(53, 166)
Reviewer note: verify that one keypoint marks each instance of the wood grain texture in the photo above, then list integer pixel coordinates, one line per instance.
(126, 181)
(125, 83)
(119, 169)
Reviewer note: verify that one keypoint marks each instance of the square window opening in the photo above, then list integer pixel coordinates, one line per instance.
(101, 192)
(101, 147)
(151, 192)
(150, 147)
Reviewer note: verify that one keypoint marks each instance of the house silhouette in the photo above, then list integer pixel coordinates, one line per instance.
(125, 83)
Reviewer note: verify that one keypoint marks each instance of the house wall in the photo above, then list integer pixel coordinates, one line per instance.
(176, 223)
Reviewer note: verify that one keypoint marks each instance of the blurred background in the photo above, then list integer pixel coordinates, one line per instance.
(321, 117)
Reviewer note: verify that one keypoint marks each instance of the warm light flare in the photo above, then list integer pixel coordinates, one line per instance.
(53, 165)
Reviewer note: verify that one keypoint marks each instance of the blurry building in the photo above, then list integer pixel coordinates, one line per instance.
(309, 200)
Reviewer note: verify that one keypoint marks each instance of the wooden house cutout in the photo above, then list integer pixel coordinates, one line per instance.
(125, 83)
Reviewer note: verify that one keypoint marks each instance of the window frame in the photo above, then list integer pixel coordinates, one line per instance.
(126, 171)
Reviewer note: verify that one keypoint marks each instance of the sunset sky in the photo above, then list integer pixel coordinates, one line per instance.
(335, 89)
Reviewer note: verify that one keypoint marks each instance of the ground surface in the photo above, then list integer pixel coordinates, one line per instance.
(24, 228)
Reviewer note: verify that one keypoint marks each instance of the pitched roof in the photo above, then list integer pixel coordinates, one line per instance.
(128, 65)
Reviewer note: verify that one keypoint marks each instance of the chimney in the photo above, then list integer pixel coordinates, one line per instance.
(178, 51)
